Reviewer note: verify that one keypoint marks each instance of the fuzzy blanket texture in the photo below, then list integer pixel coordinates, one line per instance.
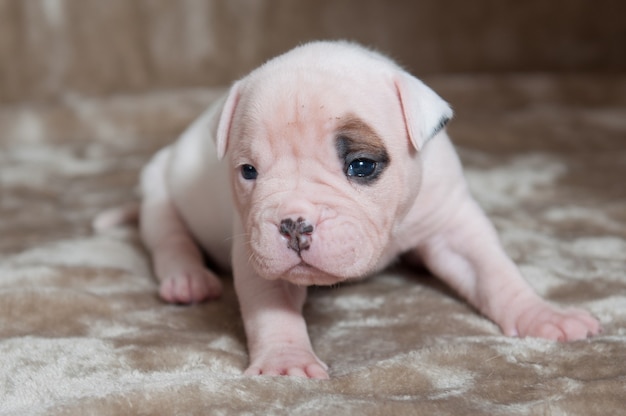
(82, 330)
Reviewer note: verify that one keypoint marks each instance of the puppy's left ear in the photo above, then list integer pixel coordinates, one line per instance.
(425, 113)
(222, 117)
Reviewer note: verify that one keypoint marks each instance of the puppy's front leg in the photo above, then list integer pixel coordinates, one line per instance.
(469, 257)
(278, 342)
(176, 258)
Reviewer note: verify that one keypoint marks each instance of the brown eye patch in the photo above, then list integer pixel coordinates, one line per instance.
(361, 150)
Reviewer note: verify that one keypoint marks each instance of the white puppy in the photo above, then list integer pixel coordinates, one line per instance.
(323, 165)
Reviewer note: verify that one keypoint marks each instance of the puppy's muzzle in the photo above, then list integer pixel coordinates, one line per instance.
(298, 233)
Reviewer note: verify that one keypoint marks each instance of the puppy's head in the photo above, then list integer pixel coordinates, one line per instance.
(323, 143)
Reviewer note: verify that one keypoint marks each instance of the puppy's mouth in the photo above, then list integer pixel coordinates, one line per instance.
(304, 274)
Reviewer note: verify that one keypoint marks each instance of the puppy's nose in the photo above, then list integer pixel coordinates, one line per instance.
(298, 233)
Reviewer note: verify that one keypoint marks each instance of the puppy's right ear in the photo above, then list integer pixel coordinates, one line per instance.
(222, 118)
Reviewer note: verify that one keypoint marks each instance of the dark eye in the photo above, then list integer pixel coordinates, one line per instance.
(249, 172)
(361, 168)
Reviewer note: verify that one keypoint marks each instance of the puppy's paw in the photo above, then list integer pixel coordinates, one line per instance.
(549, 322)
(190, 286)
(286, 361)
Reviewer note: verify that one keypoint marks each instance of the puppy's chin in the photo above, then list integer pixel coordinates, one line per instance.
(303, 274)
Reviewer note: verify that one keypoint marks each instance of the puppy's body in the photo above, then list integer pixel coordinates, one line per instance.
(323, 165)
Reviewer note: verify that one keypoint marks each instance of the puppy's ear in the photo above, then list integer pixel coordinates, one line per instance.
(222, 118)
(425, 113)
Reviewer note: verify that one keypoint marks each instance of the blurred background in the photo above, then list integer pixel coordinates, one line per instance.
(95, 47)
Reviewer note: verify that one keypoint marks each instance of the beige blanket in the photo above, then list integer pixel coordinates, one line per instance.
(83, 332)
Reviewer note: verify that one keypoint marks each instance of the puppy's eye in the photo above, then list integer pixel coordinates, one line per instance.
(248, 172)
(361, 168)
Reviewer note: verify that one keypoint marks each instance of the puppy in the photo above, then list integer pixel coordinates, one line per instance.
(324, 165)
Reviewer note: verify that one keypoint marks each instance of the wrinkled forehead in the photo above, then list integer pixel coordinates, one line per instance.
(312, 106)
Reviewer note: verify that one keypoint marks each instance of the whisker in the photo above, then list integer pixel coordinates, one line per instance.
(232, 237)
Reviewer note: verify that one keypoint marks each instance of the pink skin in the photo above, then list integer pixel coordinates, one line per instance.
(285, 123)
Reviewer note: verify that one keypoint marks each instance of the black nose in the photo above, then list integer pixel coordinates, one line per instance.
(298, 233)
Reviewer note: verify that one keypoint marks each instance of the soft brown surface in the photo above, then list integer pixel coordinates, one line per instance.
(83, 332)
